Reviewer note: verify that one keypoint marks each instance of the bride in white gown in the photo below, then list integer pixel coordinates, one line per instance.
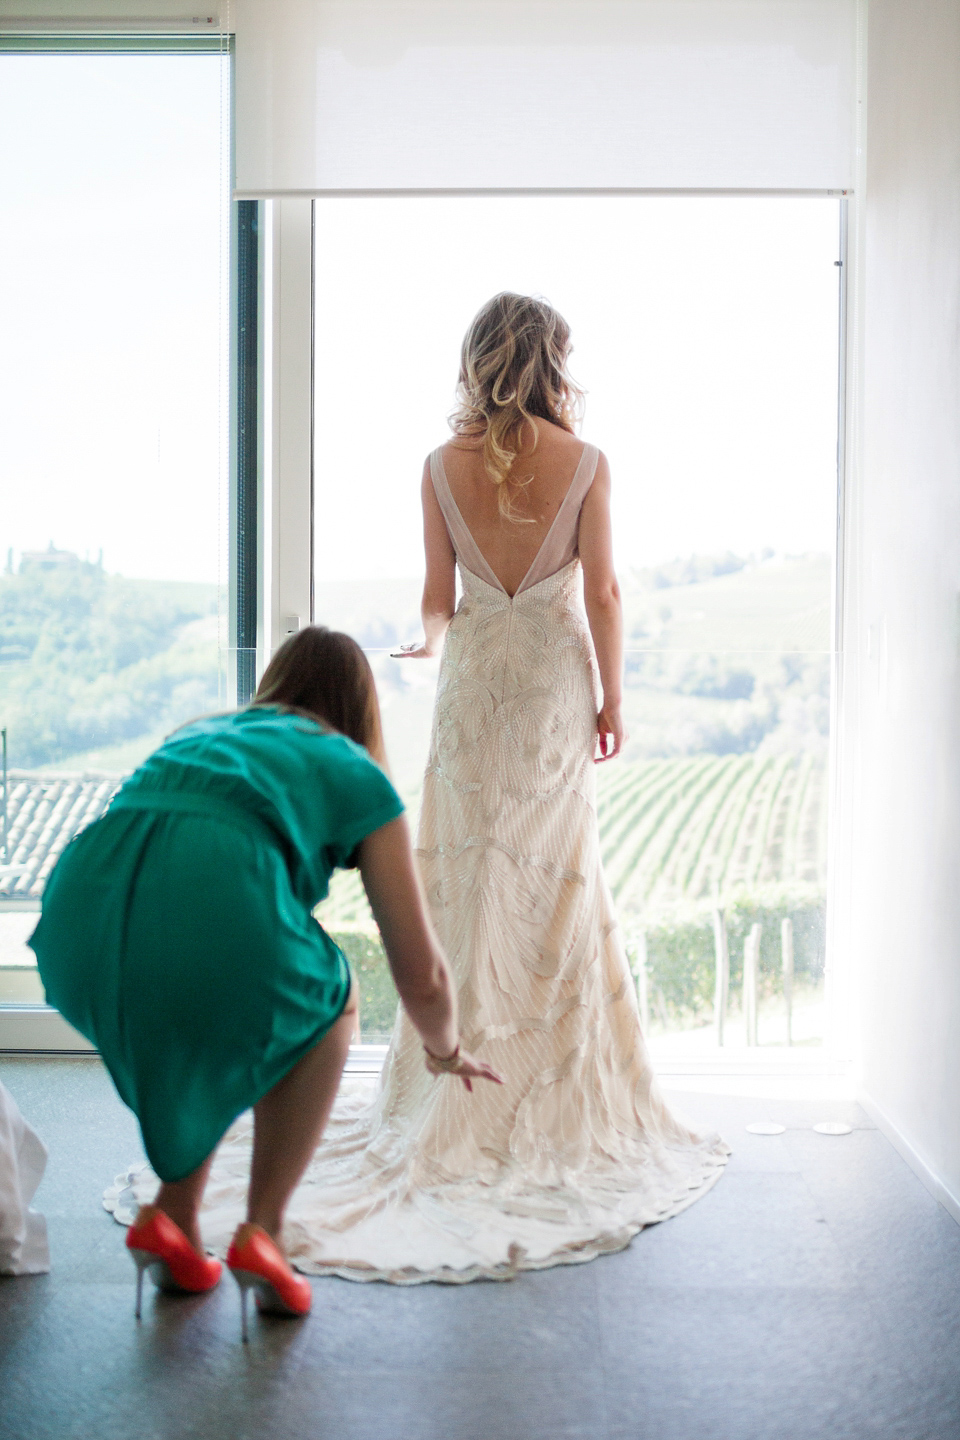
(577, 1151)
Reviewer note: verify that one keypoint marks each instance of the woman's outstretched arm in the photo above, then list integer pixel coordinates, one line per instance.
(601, 596)
(417, 963)
(440, 586)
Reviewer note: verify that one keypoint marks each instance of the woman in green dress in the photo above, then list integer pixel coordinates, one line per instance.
(177, 934)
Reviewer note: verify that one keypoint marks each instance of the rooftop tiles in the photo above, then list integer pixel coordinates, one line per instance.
(44, 813)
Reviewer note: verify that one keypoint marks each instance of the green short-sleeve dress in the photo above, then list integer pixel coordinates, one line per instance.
(176, 931)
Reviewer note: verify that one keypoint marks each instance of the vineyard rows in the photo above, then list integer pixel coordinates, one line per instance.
(674, 830)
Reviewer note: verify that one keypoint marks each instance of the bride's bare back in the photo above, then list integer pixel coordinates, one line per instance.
(508, 547)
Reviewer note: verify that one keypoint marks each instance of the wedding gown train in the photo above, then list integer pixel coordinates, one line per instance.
(577, 1151)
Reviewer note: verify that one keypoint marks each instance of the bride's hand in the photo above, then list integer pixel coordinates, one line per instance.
(611, 736)
(464, 1066)
(412, 652)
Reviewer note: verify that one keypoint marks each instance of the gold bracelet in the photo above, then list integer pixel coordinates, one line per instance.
(447, 1065)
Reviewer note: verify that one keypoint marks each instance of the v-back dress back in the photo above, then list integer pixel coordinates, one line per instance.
(576, 1151)
(559, 546)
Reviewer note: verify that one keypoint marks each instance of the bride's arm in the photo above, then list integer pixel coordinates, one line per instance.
(439, 587)
(601, 596)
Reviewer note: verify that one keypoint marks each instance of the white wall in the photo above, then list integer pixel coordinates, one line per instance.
(902, 741)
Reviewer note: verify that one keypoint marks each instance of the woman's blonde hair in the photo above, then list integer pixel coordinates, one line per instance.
(324, 674)
(513, 371)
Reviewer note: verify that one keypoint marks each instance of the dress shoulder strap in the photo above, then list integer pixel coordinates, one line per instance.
(467, 550)
(583, 478)
(560, 544)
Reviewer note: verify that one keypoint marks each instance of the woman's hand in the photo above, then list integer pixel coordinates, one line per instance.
(463, 1065)
(413, 652)
(611, 735)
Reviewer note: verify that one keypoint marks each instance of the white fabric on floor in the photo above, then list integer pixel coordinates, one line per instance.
(23, 1158)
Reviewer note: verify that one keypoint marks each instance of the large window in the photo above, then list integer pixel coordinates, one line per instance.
(705, 334)
(114, 375)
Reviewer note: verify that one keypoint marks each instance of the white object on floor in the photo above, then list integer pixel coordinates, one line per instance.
(765, 1127)
(23, 1158)
(833, 1127)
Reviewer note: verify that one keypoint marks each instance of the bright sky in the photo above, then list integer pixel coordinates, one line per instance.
(111, 361)
(705, 333)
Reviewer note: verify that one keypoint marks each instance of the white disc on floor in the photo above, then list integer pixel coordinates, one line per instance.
(833, 1127)
(765, 1127)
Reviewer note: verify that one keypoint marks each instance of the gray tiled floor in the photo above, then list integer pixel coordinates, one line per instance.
(814, 1293)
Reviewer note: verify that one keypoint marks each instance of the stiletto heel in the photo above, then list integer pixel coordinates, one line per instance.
(141, 1260)
(244, 1285)
(159, 1246)
(257, 1264)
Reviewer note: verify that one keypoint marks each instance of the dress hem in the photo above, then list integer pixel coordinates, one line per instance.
(580, 1253)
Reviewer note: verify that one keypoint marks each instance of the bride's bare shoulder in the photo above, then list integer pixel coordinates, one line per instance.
(461, 454)
(556, 447)
(550, 433)
(462, 443)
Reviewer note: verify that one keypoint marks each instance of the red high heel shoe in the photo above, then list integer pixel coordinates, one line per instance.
(160, 1246)
(256, 1263)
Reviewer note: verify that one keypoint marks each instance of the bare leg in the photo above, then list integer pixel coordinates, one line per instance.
(180, 1199)
(289, 1121)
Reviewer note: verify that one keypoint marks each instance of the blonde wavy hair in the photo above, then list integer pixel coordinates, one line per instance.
(513, 371)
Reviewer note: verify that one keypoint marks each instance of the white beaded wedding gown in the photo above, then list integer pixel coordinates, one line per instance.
(577, 1151)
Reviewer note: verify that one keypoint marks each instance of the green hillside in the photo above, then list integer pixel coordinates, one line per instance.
(95, 664)
(781, 604)
(731, 663)
(778, 604)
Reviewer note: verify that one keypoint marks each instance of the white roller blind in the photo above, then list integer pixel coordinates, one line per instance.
(424, 94)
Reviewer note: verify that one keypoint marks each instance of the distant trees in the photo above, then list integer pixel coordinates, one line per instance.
(691, 570)
(728, 656)
(89, 659)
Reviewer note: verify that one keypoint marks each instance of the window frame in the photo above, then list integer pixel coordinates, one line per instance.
(41, 1029)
